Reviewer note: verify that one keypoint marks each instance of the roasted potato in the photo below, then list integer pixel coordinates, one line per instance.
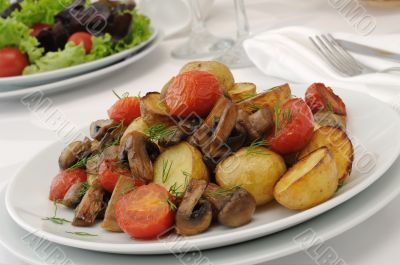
(153, 110)
(137, 125)
(311, 181)
(340, 145)
(242, 91)
(254, 169)
(219, 70)
(275, 96)
(328, 118)
(177, 165)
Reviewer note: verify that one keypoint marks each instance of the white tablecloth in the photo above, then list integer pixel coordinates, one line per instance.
(22, 134)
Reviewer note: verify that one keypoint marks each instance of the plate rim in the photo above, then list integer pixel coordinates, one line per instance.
(234, 236)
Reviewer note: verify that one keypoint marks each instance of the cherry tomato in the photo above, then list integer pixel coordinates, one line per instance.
(145, 212)
(82, 37)
(192, 92)
(294, 127)
(319, 97)
(126, 109)
(12, 62)
(109, 173)
(64, 180)
(37, 28)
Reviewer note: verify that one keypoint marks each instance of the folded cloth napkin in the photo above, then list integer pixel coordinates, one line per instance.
(288, 54)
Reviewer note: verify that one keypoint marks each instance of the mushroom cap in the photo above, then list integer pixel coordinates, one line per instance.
(73, 152)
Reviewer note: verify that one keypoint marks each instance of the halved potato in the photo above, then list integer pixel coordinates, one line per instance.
(242, 91)
(177, 165)
(309, 182)
(219, 70)
(340, 145)
(328, 118)
(137, 125)
(153, 110)
(254, 169)
(275, 96)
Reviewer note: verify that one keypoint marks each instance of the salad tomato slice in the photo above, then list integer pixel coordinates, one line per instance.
(125, 109)
(64, 180)
(12, 62)
(37, 28)
(193, 92)
(82, 37)
(145, 212)
(320, 97)
(109, 173)
(294, 127)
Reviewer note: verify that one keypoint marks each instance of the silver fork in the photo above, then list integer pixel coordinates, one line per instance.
(340, 59)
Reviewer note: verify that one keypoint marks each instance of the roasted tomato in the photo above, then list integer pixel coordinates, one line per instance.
(37, 28)
(145, 212)
(193, 92)
(64, 180)
(109, 172)
(319, 97)
(293, 127)
(125, 109)
(12, 62)
(84, 38)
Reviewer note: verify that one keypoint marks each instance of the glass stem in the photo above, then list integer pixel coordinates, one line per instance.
(243, 29)
(198, 19)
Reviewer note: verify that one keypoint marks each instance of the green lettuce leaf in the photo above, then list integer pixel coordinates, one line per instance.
(101, 47)
(3, 5)
(140, 32)
(39, 11)
(16, 34)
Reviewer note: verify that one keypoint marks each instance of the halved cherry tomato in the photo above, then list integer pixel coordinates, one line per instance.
(12, 62)
(64, 180)
(319, 97)
(294, 127)
(145, 212)
(192, 92)
(82, 37)
(109, 173)
(126, 109)
(37, 28)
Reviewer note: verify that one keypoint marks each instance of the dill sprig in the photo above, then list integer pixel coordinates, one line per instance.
(282, 117)
(54, 219)
(222, 191)
(82, 162)
(246, 97)
(85, 187)
(173, 190)
(255, 107)
(165, 170)
(170, 203)
(124, 95)
(253, 148)
(159, 130)
(80, 233)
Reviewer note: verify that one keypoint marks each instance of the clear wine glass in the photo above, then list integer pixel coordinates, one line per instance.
(236, 57)
(201, 42)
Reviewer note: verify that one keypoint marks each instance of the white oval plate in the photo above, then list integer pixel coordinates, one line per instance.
(373, 127)
(80, 80)
(6, 83)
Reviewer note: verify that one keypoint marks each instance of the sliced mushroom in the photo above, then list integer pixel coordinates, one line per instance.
(179, 132)
(194, 214)
(217, 201)
(90, 206)
(99, 128)
(212, 135)
(139, 152)
(73, 152)
(114, 133)
(256, 124)
(73, 196)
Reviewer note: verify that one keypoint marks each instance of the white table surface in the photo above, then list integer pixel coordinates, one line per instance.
(22, 133)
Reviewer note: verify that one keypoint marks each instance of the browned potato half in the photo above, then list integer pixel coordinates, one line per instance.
(254, 169)
(177, 165)
(219, 70)
(242, 91)
(328, 118)
(153, 110)
(340, 145)
(275, 96)
(137, 125)
(311, 181)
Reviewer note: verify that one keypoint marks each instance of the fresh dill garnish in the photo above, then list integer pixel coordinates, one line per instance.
(281, 118)
(255, 107)
(222, 191)
(173, 190)
(85, 187)
(80, 233)
(187, 177)
(82, 162)
(159, 130)
(54, 218)
(126, 94)
(165, 170)
(253, 148)
(170, 203)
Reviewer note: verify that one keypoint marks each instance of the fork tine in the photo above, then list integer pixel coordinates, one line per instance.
(343, 51)
(332, 62)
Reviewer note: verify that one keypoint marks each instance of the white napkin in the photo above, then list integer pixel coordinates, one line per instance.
(288, 54)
